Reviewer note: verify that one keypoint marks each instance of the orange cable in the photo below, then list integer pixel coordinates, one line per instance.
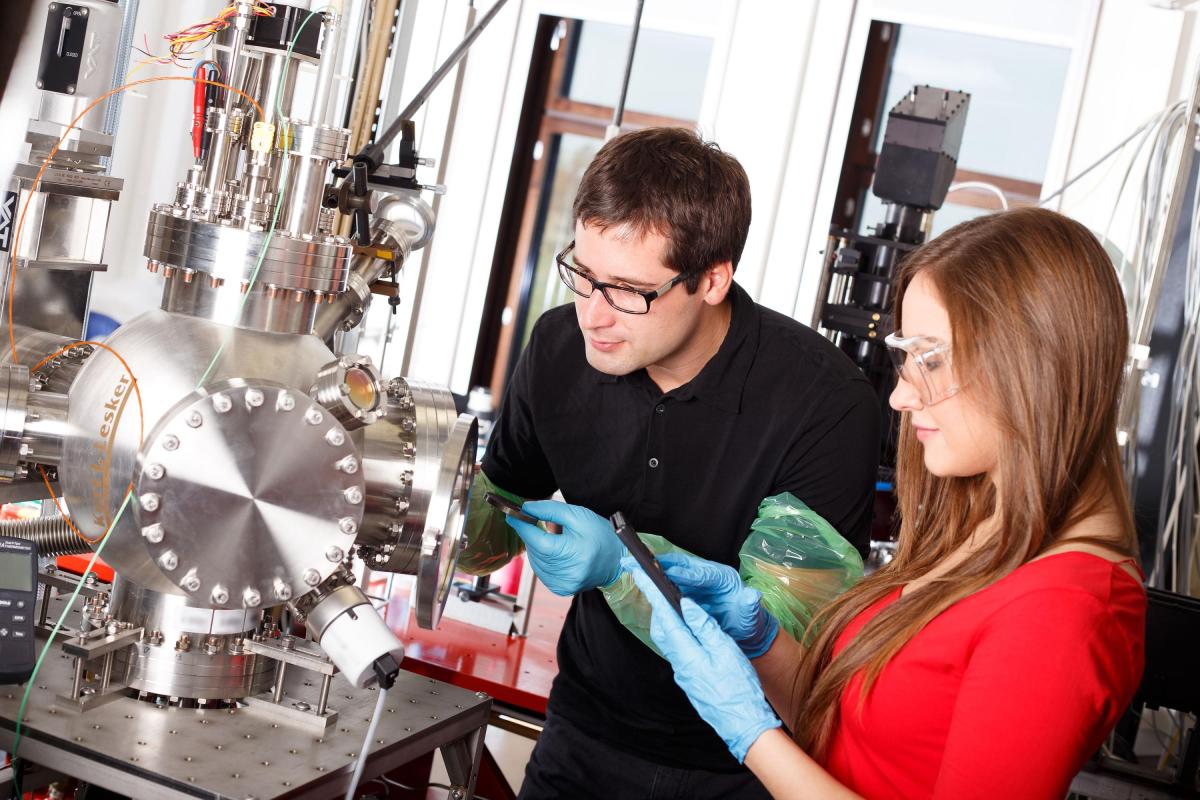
(12, 338)
(141, 428)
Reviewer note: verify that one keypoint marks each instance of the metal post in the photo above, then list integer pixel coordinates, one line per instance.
(77, 681)
(106, 671)
(277, 695)
(45, 610)
(323, 700)
(614, 129)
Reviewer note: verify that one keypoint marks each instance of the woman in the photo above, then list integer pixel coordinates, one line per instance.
(992, 656)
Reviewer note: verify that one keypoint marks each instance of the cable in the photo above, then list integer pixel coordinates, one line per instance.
(361, 764)
(985, 186)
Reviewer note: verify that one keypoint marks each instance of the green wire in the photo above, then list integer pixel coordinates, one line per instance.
(212, 364)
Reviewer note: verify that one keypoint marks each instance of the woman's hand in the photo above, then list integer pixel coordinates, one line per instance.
(709, 666)
(719, 590)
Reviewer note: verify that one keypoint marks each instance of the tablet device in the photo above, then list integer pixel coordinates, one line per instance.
(641, 554)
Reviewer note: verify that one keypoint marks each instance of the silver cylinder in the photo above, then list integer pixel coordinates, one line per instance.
(170, 660)
(325, 73)
(52, 535)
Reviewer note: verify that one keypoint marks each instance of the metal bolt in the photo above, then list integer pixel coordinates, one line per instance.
(313, 417)
(195, 420)
(183, 643)
(311, 577)
(168, 560)
(348, 526)
(149, 501)
(154, 533)
(170, 442)
(251, 597)
(285, 402)
(287, 642)
(282, 590)
(348, 465)
(353, 495)
(334, 554)
(191, 581)
(335, 437)
(221, 403)
(219, 595)
(155, 471)
(254, 398)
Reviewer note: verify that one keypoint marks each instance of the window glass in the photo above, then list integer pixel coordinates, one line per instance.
(668, 70)
(1015, 87)
(569, 156)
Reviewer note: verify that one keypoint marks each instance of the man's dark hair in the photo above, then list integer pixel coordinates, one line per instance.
(671, 182)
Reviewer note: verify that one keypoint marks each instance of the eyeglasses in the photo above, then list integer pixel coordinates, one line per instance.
(924, 362)
(622, 298)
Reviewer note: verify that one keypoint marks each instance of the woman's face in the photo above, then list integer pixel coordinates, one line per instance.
(959, 439)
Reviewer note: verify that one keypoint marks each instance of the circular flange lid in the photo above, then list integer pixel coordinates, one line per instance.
(441, 540)
(248, 494)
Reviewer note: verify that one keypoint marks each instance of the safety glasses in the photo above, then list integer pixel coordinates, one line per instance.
(924, 362)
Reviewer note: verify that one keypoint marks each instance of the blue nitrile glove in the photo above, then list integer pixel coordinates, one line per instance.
(587, 553)
(718, 589)
(717, 678)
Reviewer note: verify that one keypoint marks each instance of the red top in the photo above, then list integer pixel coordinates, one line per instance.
(1004, 694)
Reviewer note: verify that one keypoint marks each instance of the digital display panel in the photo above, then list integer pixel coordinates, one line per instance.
(15, 572)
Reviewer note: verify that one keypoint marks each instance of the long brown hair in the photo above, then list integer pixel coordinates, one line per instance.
(1040, 336)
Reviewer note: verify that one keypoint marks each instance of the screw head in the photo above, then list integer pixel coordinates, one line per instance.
(334, 554)
(191, 581)
(195, 420)
(348, 465)
(250, 597)
(154, 533)
(282, 590)
(168, 560)
(221, 403)
(353, 495)
(285, 402)
(313, 417)
(311, 577)
(254, 398)
(335, 437)
(149, 501)
(348, 526)
(155, 471)
(219, 595)
(170, 442)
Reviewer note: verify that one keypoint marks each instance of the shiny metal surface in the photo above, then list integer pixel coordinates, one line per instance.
(14, 405)
(168, 353)
(263, 308)
(253, 468)
(33, 347)
(188, 651)
(232, 254)
(50, 300)
(62, 231)
(441, 541)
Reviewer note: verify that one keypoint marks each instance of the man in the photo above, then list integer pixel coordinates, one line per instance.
(664, 392)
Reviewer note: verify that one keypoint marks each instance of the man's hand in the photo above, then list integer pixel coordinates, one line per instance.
(586, 555)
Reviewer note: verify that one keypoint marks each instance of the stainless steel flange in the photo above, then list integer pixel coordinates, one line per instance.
(245, 494)
(14, 403)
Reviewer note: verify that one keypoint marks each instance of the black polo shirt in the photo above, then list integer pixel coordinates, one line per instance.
(777, 409)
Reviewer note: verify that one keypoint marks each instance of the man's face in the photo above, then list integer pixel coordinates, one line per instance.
(617, 343)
